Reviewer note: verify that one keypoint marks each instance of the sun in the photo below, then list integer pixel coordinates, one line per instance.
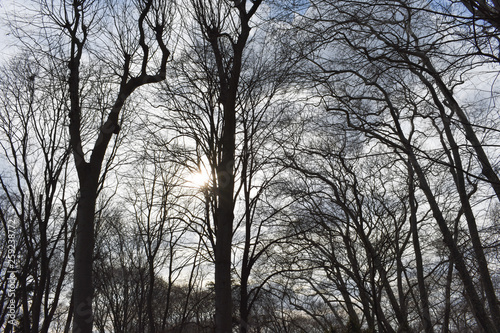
(199, 178)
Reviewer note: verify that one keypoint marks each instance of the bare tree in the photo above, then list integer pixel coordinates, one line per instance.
(127, 299)
(482, 28)
(393, 77)
(194, 112)
(36, 187)
(225, 28)
(126, 43)
(161, 227)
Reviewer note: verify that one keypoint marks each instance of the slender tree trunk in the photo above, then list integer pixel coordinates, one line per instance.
(375, 259)
(482, 263)
(67, 325)
(382, 323)
(400, 314)
(41, 278)
(449, 280)
(246, 267)
(354, 322)
(459, 179)
(151, 276)
(477, 305)
(424, 298)
(368, 311)
(471, 136)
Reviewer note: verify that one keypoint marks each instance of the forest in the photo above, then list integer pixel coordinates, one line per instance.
(251, 166)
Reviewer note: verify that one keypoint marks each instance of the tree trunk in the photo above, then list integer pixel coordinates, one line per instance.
(229, 73)
(424, 299)
(244, 305)
(459, 178)
(455, 255)
(82, 284)
(224, 231)
(151, 276)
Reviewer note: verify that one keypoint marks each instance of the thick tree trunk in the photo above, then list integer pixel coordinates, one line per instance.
(244, 305)
(224, 232)
(82, 284)
(223, 299)
(89, 172)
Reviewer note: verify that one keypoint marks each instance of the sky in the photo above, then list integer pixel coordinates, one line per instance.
(7, 40)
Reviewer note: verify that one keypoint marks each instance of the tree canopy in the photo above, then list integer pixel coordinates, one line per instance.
(251, 165)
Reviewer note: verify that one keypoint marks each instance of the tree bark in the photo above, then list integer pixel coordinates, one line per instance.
(424, 298)
(82, 284)
(224, 223)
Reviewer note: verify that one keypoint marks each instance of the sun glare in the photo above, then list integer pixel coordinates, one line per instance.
(199, 179)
